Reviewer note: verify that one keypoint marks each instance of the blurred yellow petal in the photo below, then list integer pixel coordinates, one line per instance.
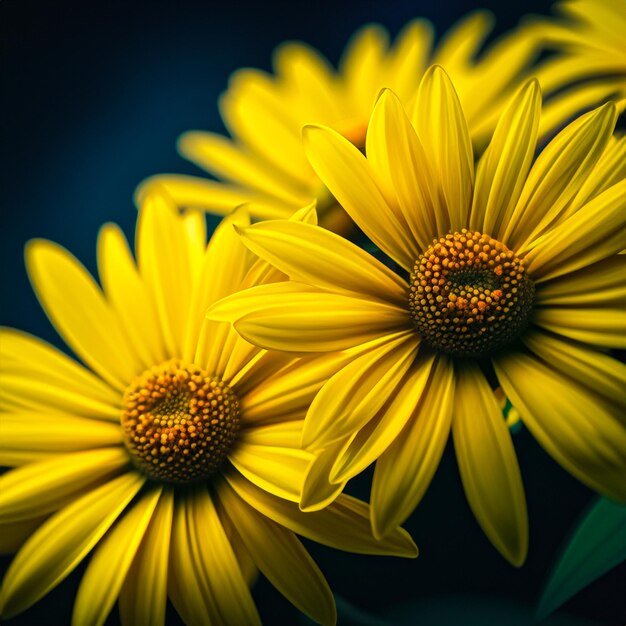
(143, 596)
(488, 465)
(111, 561)
(39, 488)
(34, 374)
(218, 564)
(282, 559)
(14, 534)
(30, 431)
(576, 427)
(62, 542)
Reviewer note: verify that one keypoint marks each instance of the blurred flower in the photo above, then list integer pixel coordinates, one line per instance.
(265, 162)
(512, 280)
(177, 458)
(588, 56)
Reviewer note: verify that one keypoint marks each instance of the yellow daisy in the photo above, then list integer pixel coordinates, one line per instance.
(175, 457)
(265, 162)
(509, 276)
(588, 55)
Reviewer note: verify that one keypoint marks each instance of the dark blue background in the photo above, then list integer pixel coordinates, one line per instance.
(94, 96)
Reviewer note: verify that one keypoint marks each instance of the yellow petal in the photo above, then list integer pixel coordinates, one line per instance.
(198, 193)
(395, 151)
(164, 252)
(609, 170)
(111, 561)
(376, 436)
(579, 429)
(355, 394)
(557, 175)
(317, 491)
(253, 110)
(127, 294)
(282, 559)
(310, 80)
(442, 129)
(348, 176)
(277, 470)
(221, 270)
(292, 388)
(604, 327)
(218, 563)
(14, 534)
(597, 371)
(593, 233)
(568, 103)
(294, 317)
(344, 524)
(404, 471)
(488, 465)
(36, 375)
(76, 307)
(313, 255)
(505, 165)
(226, 160)
(361, 67)
(62, 542)
(29, 431)
(187, 581)
(143, 597)
(282, 434)
(600, 284)
(39, 488)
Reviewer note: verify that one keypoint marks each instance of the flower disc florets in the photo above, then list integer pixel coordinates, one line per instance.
(179, 422)
(470, 294)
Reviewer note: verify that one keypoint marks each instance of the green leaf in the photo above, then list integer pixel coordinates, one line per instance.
(598, 545)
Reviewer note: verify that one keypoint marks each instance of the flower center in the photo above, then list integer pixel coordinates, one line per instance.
(470, 295)
(179, 422)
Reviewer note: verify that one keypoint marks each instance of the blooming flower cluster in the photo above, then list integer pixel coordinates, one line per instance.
(408, 241)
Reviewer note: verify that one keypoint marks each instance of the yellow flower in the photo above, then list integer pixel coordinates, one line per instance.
(265, 162)
(176, 458)
(588, 55)
(509, 277)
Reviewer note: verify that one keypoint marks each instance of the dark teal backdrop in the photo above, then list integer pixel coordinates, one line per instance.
(94, 95)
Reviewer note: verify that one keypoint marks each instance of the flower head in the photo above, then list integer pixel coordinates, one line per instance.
(264, 161)
(508, 272)
(176, 456)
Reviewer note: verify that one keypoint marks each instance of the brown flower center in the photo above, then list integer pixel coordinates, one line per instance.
(470, 294)
(179, 422)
